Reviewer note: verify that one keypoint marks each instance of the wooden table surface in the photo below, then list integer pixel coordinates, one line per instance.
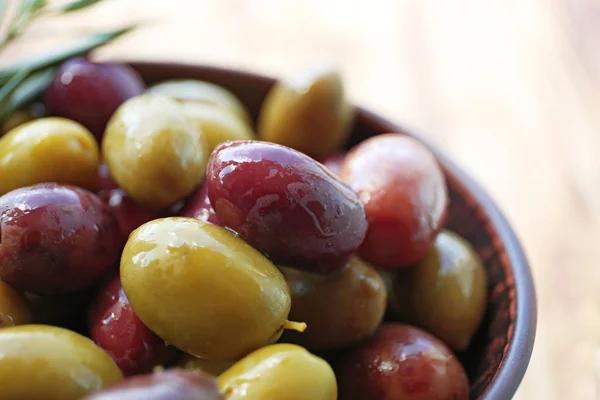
(509, 88)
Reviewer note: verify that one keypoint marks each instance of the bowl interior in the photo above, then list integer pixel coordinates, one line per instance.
(500, 351)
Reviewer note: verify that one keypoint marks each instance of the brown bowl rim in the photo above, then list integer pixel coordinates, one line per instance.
(524, 304)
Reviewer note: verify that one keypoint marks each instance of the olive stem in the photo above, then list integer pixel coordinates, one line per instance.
(295, 326)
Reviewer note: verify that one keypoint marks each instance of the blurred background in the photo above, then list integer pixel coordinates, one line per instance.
(510, 89)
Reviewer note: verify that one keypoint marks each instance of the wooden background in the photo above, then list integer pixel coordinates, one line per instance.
(509, 88)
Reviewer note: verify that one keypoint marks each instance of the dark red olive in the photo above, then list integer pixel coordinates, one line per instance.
(116, 328)
(89, 93)
(56, 238)
(286, 204)
(169, 385)
(198, 206)
(405, 197)
(401, 362)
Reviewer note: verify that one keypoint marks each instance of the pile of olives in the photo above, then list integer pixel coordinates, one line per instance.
(156, 243)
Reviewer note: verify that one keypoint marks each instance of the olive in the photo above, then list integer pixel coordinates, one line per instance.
(216, 124)
(286, 204)
(203, 289)
(90, 92)
(214, 368)
(153, 152)
(405, 197)
(14, 307)
(308, 112)
(339, 309)
(445, 292)
(39, 362)
(48, 150)
(279, 371)
(167, 385)
(194, 91)
(198, 206)
(401, 362)
(117, 329)
(56, 239)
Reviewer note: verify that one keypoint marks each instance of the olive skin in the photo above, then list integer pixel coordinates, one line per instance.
(279, 371)
(14, 307)
(405, 197)
(203, 289)
(39, 362)
(214, 368)
(216, 124)
(308, 112)
(56, 239)
(286, 204)
(401, 362)
(198, 206)
(167, 385)
(444, 293)
(153, 152)
(117, 329)
(48, 150)
(189, 91)
(339, 308)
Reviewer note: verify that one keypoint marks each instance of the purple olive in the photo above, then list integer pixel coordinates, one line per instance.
(198, 206)
(170, 385)
(89, 93)
(56, 238)
(286, 204)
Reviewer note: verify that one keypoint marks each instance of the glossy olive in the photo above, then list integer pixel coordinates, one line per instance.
(445, 292)
(39, 362)
(48, 150)
(308, 112)
(167, 385)
(14, 307)
(401, 362)
(405, 197)
(339, 309)
(203, 289)
(201, 92)
(117, 329)
(279, 371)
(286, 204)
(153, 152)
(198, 206)
(216, 124)
(214, 368)
(56, 239)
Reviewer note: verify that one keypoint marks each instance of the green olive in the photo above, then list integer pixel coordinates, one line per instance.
(203, 289)
(340, 308)
(445, 292)
(279, 371)
(194, 91)
(14, 308)
(210, 367)
(217, 124)
(153, 152)
(48, 150)
(308, 113)
(39, 362)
